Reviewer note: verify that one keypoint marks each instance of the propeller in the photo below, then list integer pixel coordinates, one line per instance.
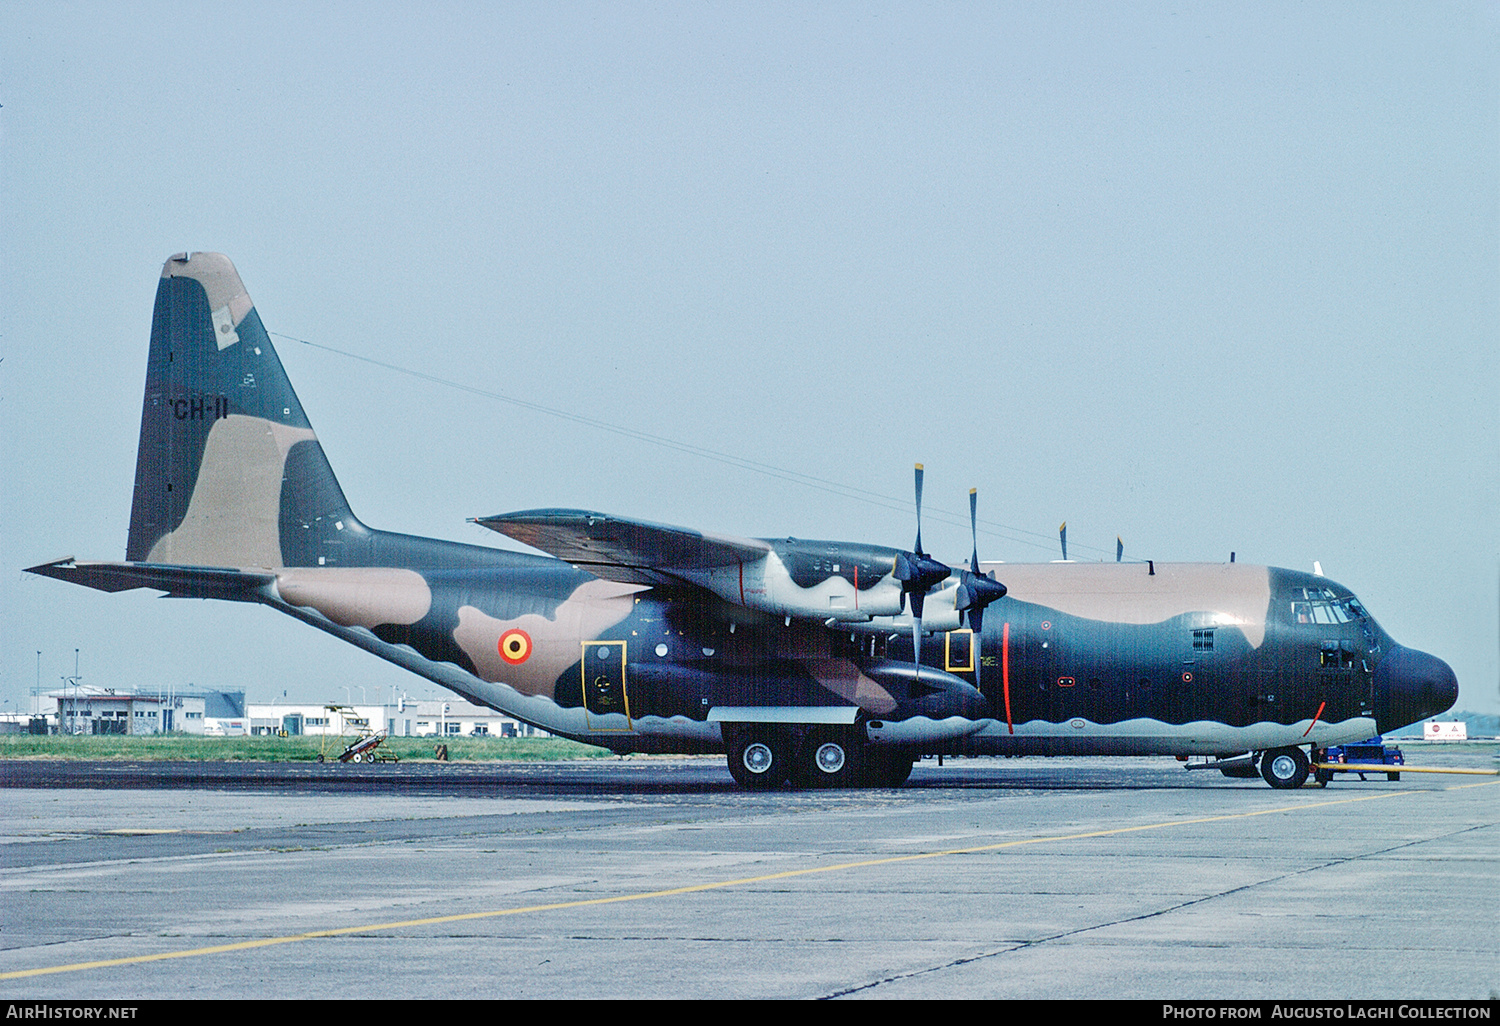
(1062, 536)
(918, 572)
(975, 590)
(1119, 548)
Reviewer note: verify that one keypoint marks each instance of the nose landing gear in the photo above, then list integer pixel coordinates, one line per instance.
(1284, 768)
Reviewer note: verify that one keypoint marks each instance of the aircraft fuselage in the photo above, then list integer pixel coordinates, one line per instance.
(1078, 658)
(833, 662)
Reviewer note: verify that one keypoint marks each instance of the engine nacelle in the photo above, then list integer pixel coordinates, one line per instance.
(816, 580)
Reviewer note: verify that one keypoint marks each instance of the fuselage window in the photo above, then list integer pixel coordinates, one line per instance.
(1336, 655)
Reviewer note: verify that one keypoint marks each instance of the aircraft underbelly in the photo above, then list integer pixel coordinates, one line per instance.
(1078, 736)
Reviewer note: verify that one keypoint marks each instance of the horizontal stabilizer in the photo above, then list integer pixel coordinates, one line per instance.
(176, 581)
(617, 548)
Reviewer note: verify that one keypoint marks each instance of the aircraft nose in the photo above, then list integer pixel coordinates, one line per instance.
(1410, 686)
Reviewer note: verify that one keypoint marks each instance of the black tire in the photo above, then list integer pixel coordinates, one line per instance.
(1284, 768)
(1324, 777)
(830, 758)
(1393, 776)
(760, 760)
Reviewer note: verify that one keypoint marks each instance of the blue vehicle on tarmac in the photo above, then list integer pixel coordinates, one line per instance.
(1360, 758)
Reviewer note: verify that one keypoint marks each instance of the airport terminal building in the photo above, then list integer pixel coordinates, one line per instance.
(90, 709)
(451, 717)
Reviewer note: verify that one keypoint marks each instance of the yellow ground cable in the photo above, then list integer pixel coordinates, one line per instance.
(1371, 767)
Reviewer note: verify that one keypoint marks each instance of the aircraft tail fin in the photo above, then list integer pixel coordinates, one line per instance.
(229, 472)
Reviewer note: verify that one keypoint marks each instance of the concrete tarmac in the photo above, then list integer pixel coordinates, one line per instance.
(656, 878)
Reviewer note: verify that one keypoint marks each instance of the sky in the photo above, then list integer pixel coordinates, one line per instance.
(1208, 277)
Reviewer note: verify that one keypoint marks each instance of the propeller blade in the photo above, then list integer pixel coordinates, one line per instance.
(918, 573)
(916, 570)
(1062, 534)
(1119, 548)
(975, 590)
(919, 510)
(917, 599)
(974, 530)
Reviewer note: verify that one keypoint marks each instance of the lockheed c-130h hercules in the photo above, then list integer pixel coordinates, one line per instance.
(825, 663)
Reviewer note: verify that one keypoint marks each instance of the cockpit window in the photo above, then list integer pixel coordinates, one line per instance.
(1324, 606)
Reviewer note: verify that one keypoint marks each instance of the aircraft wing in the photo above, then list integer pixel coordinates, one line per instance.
(625, 550)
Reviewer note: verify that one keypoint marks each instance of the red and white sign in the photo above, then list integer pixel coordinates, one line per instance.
(1457, 731)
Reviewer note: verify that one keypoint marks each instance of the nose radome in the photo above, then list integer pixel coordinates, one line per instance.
(1410, 686)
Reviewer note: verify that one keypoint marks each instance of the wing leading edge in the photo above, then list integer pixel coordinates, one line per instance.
(623, 549)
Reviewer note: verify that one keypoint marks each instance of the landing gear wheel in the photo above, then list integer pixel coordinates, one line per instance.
(829, 759)
(1284, 768)
(1323, 777)
(760, 761)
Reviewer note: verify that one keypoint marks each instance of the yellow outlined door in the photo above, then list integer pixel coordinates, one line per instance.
(604, 694)
(958, 651)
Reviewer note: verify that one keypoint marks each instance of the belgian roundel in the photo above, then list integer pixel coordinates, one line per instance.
(515, 646)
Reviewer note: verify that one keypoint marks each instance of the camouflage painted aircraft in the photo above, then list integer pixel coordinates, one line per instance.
(801, 660)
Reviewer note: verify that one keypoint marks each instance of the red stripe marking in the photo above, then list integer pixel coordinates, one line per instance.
(1005, 674)
(1316, 716)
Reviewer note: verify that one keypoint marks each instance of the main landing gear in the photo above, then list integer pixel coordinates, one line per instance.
(762, 759)
(765, 757)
